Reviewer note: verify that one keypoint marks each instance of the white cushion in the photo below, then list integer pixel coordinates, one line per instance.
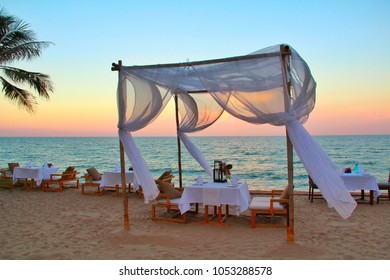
(263, 203)
(173, 201)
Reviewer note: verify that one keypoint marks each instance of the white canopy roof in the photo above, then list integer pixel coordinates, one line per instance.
(273, 85)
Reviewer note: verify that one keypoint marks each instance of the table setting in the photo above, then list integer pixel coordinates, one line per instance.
(35, 173)
(359, 179)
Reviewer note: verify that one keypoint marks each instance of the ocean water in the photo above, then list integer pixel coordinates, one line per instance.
(261, 161)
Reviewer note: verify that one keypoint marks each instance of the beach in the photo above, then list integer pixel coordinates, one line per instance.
(36, 225)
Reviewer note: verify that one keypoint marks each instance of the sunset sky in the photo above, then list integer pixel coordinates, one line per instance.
(345, 43)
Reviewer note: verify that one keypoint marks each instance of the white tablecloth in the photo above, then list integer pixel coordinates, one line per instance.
(113, 178)
(216, 194)
(36, 173)
(355, 181)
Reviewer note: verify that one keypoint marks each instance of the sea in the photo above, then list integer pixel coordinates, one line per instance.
(259, 160)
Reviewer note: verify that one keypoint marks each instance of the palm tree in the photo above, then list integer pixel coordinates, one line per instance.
(18, 42)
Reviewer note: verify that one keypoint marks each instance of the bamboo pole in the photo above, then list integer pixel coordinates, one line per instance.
(126, 224)
(290, 165)
(178, 141)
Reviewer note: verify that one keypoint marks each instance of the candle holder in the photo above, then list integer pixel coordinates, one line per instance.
(218, 172)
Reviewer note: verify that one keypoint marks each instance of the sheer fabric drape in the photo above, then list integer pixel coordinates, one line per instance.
(198, 111)
(251, 88)
(139, 103)
(322, 170)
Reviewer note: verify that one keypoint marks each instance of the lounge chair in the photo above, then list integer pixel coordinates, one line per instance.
(384, 187)
(274, 205)
(168, 199)
(7, 174)
(166, 177)
(312, 187)
(92, 180)
(68, 176)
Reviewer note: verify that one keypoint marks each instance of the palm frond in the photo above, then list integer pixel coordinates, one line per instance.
(20, 96)
(17, 41)
(24, 51)
(38, 81)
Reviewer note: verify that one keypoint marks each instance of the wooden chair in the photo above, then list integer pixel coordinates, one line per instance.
(92, 181)
(274, 205)
(7, 175)
(68, 176)
(312, 187)
(168, 199)
(384, 187)
(166, 177)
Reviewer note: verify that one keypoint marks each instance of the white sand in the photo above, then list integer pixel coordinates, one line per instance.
(69, 225)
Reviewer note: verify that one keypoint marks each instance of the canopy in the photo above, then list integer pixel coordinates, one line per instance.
(273, 85)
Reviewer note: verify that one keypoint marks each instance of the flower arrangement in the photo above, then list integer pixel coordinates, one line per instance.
(221, 171)
(226, 169)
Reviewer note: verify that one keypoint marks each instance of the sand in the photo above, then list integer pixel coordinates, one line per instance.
(36, 225)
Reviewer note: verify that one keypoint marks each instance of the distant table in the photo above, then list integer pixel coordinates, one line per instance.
(34, 173)
(216, 194)
(362, 182)
(114, 179)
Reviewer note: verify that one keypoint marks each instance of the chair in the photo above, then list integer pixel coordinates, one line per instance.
(312, 187)
(92, 180)
(69, 175)
(7, 174)
(274, 205)
(384, 187)
(166, 177)
(168, 199)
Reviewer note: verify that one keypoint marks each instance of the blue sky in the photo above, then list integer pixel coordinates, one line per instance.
(345, 44)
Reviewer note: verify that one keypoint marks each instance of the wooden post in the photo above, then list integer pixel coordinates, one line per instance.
(126, 224)
(290, 165)
(178, 141)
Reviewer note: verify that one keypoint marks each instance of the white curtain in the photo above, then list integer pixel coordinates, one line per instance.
(252, 88)
(322, 170)
(198, 111)
(139, 103)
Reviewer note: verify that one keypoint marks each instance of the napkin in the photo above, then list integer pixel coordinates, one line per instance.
(29, 164)
(199, 180)
(212, 196)
(234, 180)
(117, 168)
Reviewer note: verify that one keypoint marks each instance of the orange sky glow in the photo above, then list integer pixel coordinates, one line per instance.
(349, 63)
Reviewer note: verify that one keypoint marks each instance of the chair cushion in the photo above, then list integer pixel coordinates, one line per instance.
(66, 176)
(96, 176)
(166, 176)
(284, 195)
(263, 203)
(12, 166)
(69, 169)
(168, 189)
(163, 201)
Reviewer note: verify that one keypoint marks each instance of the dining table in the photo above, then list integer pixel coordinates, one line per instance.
(35, 173)
(362, 181)
(216, 194)
(113, 179)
